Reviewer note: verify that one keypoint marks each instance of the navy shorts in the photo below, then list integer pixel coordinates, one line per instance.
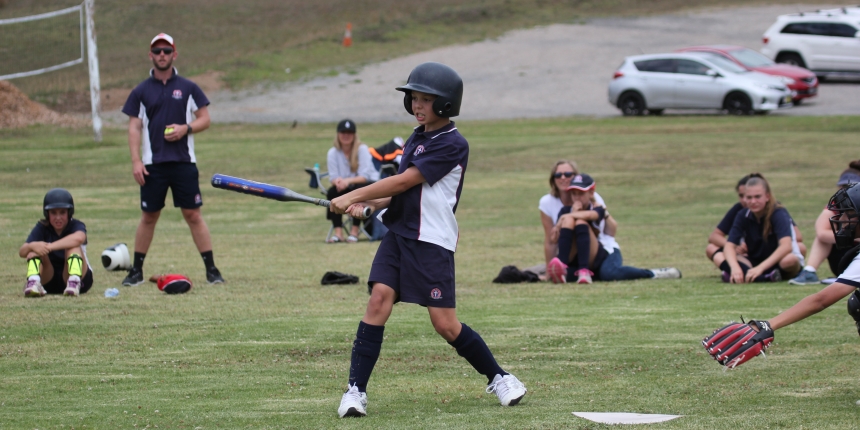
(419, 272)
(181, 178)
(57, 286)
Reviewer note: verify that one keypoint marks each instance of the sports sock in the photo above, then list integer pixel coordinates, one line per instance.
(809, 269)
(724, 266)
(76, 264)
(472, 347)
(34, 265)
(565, 242)
(583, 245)
(365, 352)
(138, 260)
(208, 259)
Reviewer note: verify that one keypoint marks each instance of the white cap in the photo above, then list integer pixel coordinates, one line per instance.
(162, 36)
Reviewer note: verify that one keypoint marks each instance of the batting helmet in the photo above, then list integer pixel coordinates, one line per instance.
(59, 198)
(846, 204)
(439, 80)
(116, 257)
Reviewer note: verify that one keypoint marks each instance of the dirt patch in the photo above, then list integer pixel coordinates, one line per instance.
(17, 110)
(210, 81)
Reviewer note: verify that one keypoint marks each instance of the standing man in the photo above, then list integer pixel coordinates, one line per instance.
(161, 141)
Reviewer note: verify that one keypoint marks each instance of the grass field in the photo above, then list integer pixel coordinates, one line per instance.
(270, 349)
(254, 41)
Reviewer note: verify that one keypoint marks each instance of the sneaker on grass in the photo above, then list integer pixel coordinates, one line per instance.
(353, 403)
(774, 276)
(73, 286)
(666, 273)
(583, 276)
(34, 288)
(134, 278)
(213, 276)
(508, 388)
(805, 278)
(557, 271)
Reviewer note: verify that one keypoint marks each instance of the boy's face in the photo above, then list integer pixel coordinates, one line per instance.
(58, 218)
(422, 108)
(583, 197)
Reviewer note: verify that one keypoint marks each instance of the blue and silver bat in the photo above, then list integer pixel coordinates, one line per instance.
(268, 191)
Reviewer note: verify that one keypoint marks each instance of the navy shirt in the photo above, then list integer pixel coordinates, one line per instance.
(158, 105)
(748, 228)
(46, 233)
(425, 212)
(601, 213)
(726, 224)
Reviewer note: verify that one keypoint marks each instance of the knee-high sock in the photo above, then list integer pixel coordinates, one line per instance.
(472, 347)
(565, 242)
(76, 265)
(365, 352)
(583, 246)
(34, 265)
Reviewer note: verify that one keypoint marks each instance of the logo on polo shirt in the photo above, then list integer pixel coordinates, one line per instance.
(435, 294)
(177, 94)
(419, 150)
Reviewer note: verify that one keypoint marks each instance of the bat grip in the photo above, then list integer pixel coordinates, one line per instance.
(365, 214)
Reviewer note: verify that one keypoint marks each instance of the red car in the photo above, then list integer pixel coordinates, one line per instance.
(801, 81)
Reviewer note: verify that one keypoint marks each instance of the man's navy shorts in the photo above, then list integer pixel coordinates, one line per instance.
(419, 272)
(181, 178)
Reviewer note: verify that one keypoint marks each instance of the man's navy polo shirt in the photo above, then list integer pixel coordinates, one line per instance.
(159, 105)
(746, 226)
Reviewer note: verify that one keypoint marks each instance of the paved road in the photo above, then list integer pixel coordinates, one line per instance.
(551, 71)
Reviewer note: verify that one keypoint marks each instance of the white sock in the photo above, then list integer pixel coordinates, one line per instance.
(74, 278)
(36, 278)
(809, 269)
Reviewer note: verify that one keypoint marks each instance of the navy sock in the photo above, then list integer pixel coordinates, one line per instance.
(472, 347)
(208, 259)
(365, 352)
(138, 260)
(583, 245)
(565, 242)
(724, 266)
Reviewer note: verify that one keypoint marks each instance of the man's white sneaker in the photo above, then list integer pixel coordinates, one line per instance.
(353, 403)
(73, 287)
(666, 273)
(34, 288)
(509, 389)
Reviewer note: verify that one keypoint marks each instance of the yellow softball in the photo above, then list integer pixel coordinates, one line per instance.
(168, 130)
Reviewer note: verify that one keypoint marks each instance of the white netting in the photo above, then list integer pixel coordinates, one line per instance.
(37, 44)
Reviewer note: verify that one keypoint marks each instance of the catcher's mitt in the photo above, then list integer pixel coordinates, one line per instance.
(172, 283)
(737, 343)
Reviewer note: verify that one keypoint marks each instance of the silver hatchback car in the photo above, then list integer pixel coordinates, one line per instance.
(693, 80)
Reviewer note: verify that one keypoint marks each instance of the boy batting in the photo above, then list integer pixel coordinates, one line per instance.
(415, 261)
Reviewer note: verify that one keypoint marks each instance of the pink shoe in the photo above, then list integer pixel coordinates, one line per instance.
(557, 271)
(583, 276)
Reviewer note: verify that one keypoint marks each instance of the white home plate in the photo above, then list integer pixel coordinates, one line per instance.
(624, 418)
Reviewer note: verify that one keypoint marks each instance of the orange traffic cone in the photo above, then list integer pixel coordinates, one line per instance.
(347, 35)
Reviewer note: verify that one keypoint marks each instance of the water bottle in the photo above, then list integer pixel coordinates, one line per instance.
(317, 168)
(111, 292)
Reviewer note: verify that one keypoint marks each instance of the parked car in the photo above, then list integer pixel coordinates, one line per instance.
(693, 80)
(803, 82)
(825, 42)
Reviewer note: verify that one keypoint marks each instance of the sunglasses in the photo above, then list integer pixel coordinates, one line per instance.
(558, 175)
(159, 51)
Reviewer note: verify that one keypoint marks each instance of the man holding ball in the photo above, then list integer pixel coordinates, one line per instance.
(164, 111)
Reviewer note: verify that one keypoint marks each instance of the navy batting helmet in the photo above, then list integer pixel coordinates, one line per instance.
(59, 198)
(439, 80)
(846, 206)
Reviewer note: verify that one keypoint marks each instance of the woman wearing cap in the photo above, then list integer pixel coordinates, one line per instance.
(824, 245)
(350, 166)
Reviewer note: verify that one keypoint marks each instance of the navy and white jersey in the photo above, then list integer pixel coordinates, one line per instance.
(46, 233)
(159, 105)
(597, 224)
(425, 212)
(726, 224)
(851, 275)
(748, 228)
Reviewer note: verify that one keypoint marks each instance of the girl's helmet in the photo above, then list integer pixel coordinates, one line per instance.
(439, 80)
(846, 206)
(58, 198)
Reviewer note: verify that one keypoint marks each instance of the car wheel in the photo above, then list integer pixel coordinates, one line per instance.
(631, 104)
(797, 102)
(791, 59)
(655, 111)
(738, 104)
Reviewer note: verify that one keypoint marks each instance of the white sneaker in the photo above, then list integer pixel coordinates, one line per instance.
(666, 273)
(353, 403)
(34, 288)
(73, 287)
(509, 389)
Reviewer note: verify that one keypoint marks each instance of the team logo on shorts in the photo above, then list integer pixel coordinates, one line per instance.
(197, 199)
(435, 294)
(419, 150)
(177, 94)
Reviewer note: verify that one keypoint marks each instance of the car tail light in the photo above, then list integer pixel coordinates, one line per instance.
(617, 74)
(765, 40)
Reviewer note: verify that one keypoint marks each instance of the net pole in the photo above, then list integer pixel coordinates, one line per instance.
(93, 59)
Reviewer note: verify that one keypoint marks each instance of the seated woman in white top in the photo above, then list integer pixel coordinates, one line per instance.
(350, 166)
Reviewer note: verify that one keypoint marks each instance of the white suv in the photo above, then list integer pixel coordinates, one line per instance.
(826, 41)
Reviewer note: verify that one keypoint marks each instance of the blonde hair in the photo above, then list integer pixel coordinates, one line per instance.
(771, 205)
(553, 188)
(353, 154)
